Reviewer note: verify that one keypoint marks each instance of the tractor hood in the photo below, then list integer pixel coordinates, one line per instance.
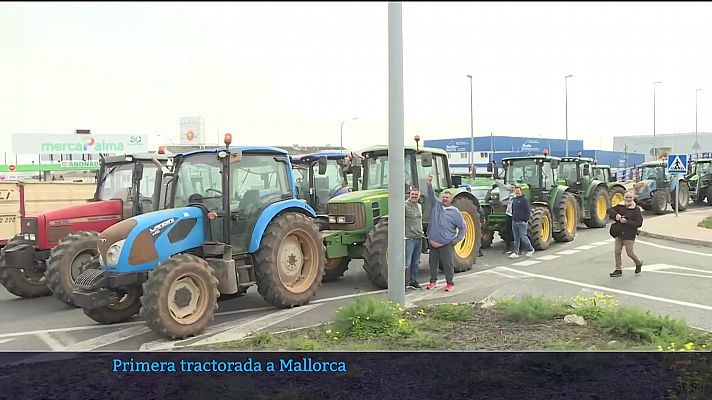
(361, 196)
(645, 187)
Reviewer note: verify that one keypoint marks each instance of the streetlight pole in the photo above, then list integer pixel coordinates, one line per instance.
(342, 132)
(566, 94)
(472, 133)
(655, 149)
(696, 146)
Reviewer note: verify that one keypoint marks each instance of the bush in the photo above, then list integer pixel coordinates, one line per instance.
(532, 310)
(368, 318)
(452, 312)
(706, 223)
(592, 308)
(639, 324)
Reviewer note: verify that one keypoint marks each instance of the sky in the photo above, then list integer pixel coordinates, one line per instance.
(290, 73)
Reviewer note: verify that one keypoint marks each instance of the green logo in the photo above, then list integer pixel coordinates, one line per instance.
(83, 145)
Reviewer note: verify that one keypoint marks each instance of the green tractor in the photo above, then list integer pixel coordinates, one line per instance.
(700, 181)
(479, 185)
(616, 190)
(359, 220)
(591, 193)
(554, 206)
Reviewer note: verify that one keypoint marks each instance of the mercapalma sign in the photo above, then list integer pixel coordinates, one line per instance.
(23, 143)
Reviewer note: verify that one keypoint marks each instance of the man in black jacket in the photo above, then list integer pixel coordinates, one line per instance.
(521, 212)
(628, 219)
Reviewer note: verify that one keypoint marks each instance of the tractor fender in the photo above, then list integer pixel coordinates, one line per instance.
(593, 186)
(468, 195)
(268, 214)
(154, 237)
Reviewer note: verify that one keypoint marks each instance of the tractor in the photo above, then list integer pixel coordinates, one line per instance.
(591, 193)
(699, 181)
(657, 188)
(323, 175)
(359, 220)
(127, 185)
(554, 208)
(232, 220)
(616, 190)
(480, 184)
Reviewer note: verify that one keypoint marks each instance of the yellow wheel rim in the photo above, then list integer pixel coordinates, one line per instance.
(570, 217)
(601, 207)
(467, 245)
(617, 199)
(544, 233)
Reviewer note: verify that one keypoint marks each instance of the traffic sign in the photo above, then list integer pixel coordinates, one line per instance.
(11, 168)
(677, 163)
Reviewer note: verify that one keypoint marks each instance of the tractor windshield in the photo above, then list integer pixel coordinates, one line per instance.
(600, 174)
(523, 171)
(116, 181)
(653, 172)
(569, 172)
(704, 168)
(376, 172)
(328, 184)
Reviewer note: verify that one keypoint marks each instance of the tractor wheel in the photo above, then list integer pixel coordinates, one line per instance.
(646, 207)
(540, 227)
(708, 194)
(129, 305)
(335, 268)
(658, 202)
(598, 205)
(467, 249)
(67, 261)
(375, 256)
(683, 195)
(289, 266)
(23, 283)
(487, 239)
(567, 212)
(617, 196)
(180, 297)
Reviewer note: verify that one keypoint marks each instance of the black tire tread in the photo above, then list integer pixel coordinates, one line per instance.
(332, 274)
(534, 227)
(594, 222)
(65, 248)
(560, 211)
(14, 282)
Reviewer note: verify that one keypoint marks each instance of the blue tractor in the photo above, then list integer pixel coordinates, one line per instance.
(233, 220)
(657, 188)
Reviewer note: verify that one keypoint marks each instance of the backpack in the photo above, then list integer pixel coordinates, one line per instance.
(616, 229)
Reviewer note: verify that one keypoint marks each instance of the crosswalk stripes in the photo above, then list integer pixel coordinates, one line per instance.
(567, 252)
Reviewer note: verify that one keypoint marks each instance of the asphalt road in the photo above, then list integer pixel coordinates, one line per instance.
(676, 280)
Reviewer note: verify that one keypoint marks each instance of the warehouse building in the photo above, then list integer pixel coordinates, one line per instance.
(682, 143)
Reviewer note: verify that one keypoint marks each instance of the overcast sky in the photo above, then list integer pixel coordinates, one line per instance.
(289, 73)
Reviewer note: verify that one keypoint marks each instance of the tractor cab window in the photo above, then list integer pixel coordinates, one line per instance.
(437, 171)
(301, 181)
(569, 171)
(522, 172)
(328, 184)
(704, 168)
(199, 181)
(116, 182)
(653, 172)
(147, 187)
(376, 172)
(600, 174)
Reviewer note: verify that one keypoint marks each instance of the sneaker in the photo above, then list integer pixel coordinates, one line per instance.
(638, 267)
(530, 253)
(480, 254)
(616, 273)
(415, 285)
(514, 255)
(507, 252)
(449, 287)
(431, 285)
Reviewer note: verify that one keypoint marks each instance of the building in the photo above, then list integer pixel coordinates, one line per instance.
(683, 143)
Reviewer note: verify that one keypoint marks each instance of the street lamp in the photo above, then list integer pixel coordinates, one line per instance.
(472, 133)
(342, 131)
(696, 146)
(566, 89)
(655, 149)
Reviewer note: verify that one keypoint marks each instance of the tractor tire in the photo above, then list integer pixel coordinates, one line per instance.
(598, 204)
(646, 207)
(67, 261)
(375, 255)
(658, 202)
(683, 196)
(617, 195)
(289, 265)
(334, 268)
(567, 212)
(708, 194)
(180, 297)
(540, 227)
(128, 306)
(21, 283)
(467, 249)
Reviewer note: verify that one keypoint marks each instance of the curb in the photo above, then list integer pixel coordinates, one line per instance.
(696, 242)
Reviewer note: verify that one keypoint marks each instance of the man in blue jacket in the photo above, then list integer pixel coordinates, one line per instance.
(446, 228)
(521, 211)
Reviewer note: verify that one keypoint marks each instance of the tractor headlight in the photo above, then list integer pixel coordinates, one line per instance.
(340, 220)
(112, 255)
(332, 220)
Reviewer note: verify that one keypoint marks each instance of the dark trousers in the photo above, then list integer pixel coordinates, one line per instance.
(444, 256)
(507, 233)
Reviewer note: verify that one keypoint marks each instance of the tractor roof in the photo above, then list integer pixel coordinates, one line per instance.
(654, 163)
(124, 158)
(570, 159)
(421, 149)
(537, 157)
(329, 154)
(246, 149)
(602, 166)
(704, 160)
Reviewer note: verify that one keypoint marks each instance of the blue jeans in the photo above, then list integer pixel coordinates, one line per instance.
(413, 249)
(519, 229)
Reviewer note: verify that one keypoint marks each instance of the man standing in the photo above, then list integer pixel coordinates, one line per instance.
(628, 219)
(520, 222)
(447, 227)
(507, 233)
(413, 235)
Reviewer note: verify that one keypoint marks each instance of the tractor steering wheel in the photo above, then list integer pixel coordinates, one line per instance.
(219, 193)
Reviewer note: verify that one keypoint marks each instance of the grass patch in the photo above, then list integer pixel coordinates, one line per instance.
(706, 223)
(532, 310)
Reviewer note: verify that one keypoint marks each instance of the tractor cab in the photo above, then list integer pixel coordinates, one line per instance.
(603, 173)
(321, 176)
(575, 172)
(656, 171)
(700, 181)
(536, 175)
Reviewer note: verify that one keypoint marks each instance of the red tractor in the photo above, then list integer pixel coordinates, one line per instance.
(127, 185)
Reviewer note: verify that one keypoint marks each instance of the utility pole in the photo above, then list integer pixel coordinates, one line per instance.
(655, 148)
(696, 146)
(472, 134)
(566, 89)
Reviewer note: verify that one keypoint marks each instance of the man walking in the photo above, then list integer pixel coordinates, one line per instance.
(520, 222)
(628, 219)
(507, 233)
(447, 227)
(413, 235)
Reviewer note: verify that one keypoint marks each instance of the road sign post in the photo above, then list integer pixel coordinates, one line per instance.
(677, 164)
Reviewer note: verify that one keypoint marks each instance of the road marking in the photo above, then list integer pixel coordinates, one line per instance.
(526, 263)
(600, 243)
(6, 340)
(610, 240)
(681, 274)
(674, 249)
(656, 267)
(585, 247)
(607, 289)
(568, 252)
(53, 344)
(548, 257)
(108, 339)
(491, 271)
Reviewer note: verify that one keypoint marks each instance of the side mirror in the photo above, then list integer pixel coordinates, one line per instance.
(322, 165)
(490, 168)
(356, 173)
(137, 172)
(456, 180)
(427, 160)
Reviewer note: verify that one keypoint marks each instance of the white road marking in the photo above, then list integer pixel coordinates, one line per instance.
(567, 252)
(6, 340)
(526, 263)
(681, 274)
(674, 249)
(612, 290)
(600, 243)
(110, 338)
(657, 267)
(548, 257)
(585, 247)
(491, 271)
(611, 240)
(51, 342)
